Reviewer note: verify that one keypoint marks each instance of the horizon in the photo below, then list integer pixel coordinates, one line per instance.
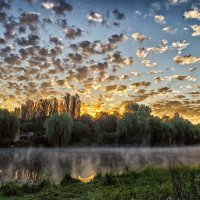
(100, 50)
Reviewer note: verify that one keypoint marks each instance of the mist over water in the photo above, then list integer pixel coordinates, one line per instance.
(32, 163)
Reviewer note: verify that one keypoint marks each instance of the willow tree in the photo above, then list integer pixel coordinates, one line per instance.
(133, 127)
(9, 126)
(58, 129)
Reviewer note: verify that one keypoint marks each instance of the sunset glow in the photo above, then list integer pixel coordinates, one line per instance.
(108, 52)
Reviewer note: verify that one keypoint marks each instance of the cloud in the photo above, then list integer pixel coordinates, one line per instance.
(141, 52)
(110, 88)
(118, 15)
(112, 78)
(176, 2)
(29, 17)
(61, 6)
(99, 66)
(164, 90)
(158, 79)
(169, 29)
(160, 19)
(186, 60)
(5, 4)
(82, 73)
(122, 88)
(118, 58)
(192, 69)
(148, 63)
(192, 14)
(55, 40)
(180, 45)
(75, 57)
(141, 84)
(189, 109)
(161, 48)
(196, 29)
(94, 17)
(48, 5)
(73, 32)
(180, 78)
(31, 40)
(96, 47)
(139, 37)
(117, 38)
(13, 59)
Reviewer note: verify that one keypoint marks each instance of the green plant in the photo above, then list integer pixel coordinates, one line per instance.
(59, 129)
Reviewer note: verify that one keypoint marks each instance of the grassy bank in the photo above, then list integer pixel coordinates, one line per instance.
(148, 183)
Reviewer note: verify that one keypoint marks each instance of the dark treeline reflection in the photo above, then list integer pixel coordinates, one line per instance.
(137, 126)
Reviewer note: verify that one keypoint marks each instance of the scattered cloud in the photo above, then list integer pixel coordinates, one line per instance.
(176, 2)
(186, 60)
(160, 19)
(148, 63)
(196, 29)
(180, 45)
(192, 14)
(118, 15)
(169, 29)
(72, 32)
(94, 17)
(139, 37)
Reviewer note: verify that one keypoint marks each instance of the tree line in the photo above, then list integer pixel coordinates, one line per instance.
(137, 126)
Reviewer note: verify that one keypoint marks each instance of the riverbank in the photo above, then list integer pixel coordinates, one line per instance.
(148, 183)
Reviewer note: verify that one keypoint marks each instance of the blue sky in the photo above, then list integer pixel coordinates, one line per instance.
(109, 52)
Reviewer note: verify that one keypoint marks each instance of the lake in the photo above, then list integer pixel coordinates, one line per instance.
(29, 164)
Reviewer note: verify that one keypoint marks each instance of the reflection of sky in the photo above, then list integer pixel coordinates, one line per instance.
(139, 18)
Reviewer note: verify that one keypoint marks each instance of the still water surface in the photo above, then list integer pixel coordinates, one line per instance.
(31, 163)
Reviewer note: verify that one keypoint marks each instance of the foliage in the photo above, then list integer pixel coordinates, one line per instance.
(141, 184)
(107, 123)
(30, 126)
(137, 126)
(184, 130)
(133, 128)
(9, 126)
(59, 129)
(38, 139)
(81, 133)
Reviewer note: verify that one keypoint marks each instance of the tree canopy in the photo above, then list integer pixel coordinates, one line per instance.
(58, 129)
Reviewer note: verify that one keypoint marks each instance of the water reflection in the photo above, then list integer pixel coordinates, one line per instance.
(29, 164)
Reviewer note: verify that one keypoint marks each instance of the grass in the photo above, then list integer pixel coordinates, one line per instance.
(181, 183)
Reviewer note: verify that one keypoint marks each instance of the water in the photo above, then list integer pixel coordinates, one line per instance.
(29, 164)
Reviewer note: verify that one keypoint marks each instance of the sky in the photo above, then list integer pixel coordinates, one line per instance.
(110, 52)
